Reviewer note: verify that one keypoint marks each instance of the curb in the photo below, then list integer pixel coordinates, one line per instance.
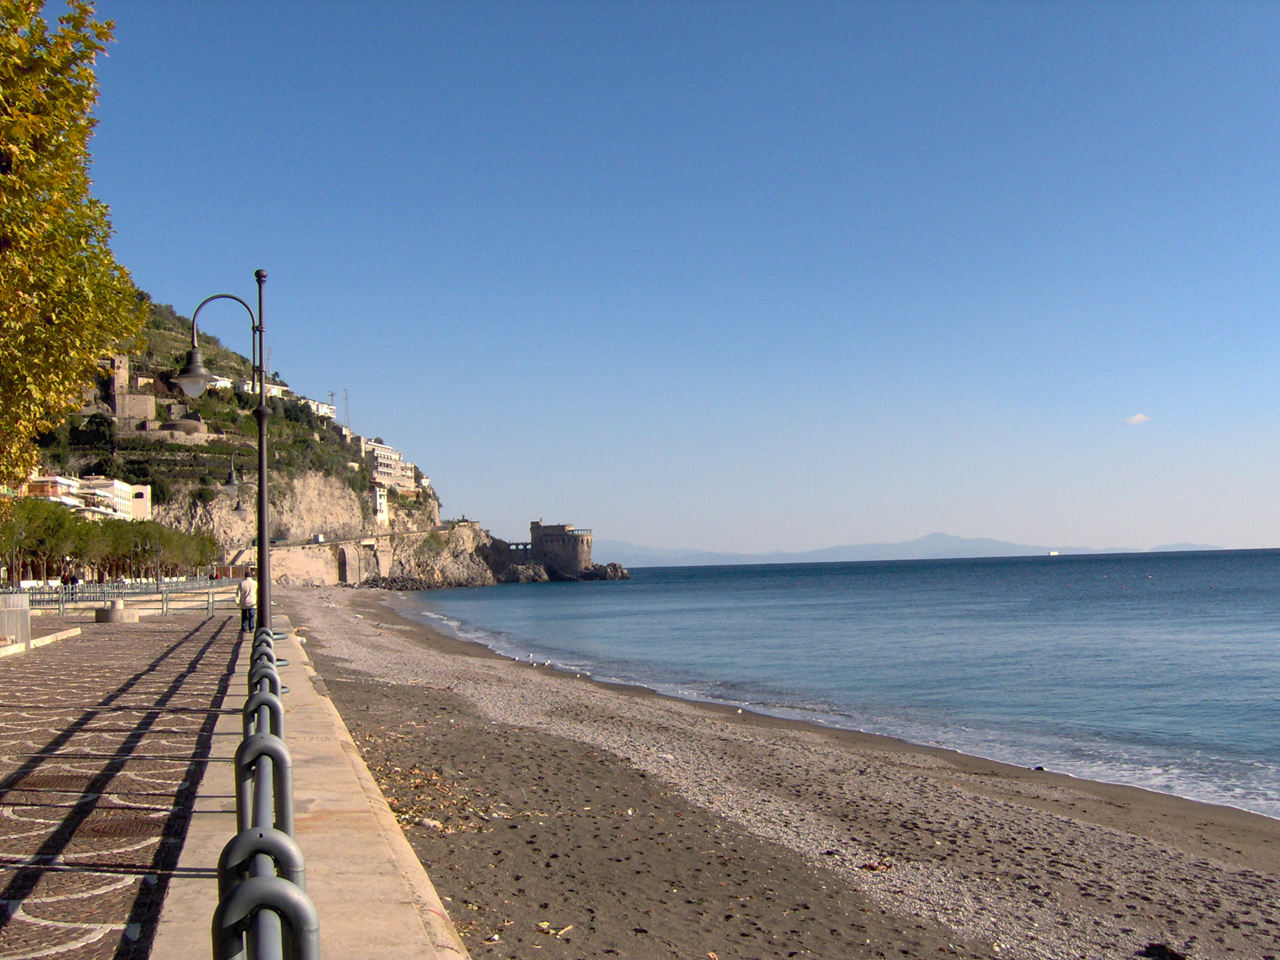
(444, 936)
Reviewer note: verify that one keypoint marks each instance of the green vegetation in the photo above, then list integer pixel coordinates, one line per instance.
(42, 539)
(297, 440)
(66, 301)
(166, 338)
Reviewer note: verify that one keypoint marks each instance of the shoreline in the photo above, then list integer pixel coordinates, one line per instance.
(1111, 775)
(805, 718)
(922, 848)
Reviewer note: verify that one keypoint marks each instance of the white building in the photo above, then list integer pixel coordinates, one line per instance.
(273, 389)
(390, 468)
(326, 410)
(126, 500)
(93, 497)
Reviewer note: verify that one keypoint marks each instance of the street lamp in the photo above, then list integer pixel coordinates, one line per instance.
(194, 378)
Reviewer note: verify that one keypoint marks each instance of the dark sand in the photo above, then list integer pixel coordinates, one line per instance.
(560, 817)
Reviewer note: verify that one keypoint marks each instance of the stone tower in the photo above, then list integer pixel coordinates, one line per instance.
(560, 547)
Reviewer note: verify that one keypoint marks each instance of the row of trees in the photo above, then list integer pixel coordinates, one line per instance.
(43, 539)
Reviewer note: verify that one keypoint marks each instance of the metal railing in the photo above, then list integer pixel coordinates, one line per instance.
(62, 594)
(263, 909)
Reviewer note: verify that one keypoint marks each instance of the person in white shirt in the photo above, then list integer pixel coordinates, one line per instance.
(247, 595)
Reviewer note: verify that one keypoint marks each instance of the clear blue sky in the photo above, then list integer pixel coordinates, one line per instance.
(741, 275)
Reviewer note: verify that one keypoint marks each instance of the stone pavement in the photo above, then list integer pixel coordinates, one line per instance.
(103, 739)
(116, 795)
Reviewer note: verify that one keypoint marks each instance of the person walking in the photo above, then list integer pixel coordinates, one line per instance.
(247, 595)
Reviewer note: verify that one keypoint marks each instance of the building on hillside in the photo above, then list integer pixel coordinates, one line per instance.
(128, 501)
(381, 513)
(113, 396)
(326, 411)
(273, 389)
(59, 489)
(390, 468)
(92, 497)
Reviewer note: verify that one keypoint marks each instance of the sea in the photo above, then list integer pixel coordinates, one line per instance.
(1159, 670)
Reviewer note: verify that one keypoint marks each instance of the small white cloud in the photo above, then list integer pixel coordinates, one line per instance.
(1137, 420)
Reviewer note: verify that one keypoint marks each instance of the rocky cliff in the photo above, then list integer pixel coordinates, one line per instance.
(451, 556)
(401, 556)
(462, 554)
(311, 504)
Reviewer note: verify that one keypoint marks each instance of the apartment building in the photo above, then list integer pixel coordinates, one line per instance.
(93, 496)
(390, 468)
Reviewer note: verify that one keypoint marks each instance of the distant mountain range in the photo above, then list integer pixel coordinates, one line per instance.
(934, 546)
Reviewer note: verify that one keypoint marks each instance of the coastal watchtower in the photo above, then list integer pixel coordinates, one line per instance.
(560, 547)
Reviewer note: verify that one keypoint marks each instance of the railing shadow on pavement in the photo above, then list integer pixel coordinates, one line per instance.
(48, 858)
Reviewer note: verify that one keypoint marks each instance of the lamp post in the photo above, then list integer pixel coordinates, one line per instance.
(194, 378)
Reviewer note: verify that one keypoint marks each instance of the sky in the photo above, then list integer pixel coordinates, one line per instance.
(740, 276)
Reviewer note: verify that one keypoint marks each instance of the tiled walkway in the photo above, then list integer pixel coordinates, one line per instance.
(103, 740)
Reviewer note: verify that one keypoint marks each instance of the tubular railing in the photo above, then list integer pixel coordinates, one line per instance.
(59, 596)
(263, 909)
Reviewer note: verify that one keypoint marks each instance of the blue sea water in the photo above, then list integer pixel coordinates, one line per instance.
(1157, 670)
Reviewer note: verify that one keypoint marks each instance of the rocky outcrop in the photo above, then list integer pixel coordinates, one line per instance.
(463, 555)
(458, 554)
(524, 573)
(606, 571)
(314, 503)
(406, 584)
(450, 556)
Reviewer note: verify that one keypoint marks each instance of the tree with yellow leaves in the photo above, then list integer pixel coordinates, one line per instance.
(64, 301)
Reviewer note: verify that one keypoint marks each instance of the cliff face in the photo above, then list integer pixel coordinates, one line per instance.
(315, 503)
(449, 557)
(310, 504)
(401, 556)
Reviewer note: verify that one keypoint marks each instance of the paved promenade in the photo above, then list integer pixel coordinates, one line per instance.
(116, 796)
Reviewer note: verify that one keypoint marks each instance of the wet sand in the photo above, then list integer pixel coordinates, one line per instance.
(561, 817)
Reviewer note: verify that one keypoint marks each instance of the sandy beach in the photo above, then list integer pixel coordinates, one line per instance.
(561, 817)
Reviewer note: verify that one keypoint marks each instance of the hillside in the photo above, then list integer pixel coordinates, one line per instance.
(137, 426)
(342, 508)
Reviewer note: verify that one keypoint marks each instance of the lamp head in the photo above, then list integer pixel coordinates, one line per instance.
(193, 377)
